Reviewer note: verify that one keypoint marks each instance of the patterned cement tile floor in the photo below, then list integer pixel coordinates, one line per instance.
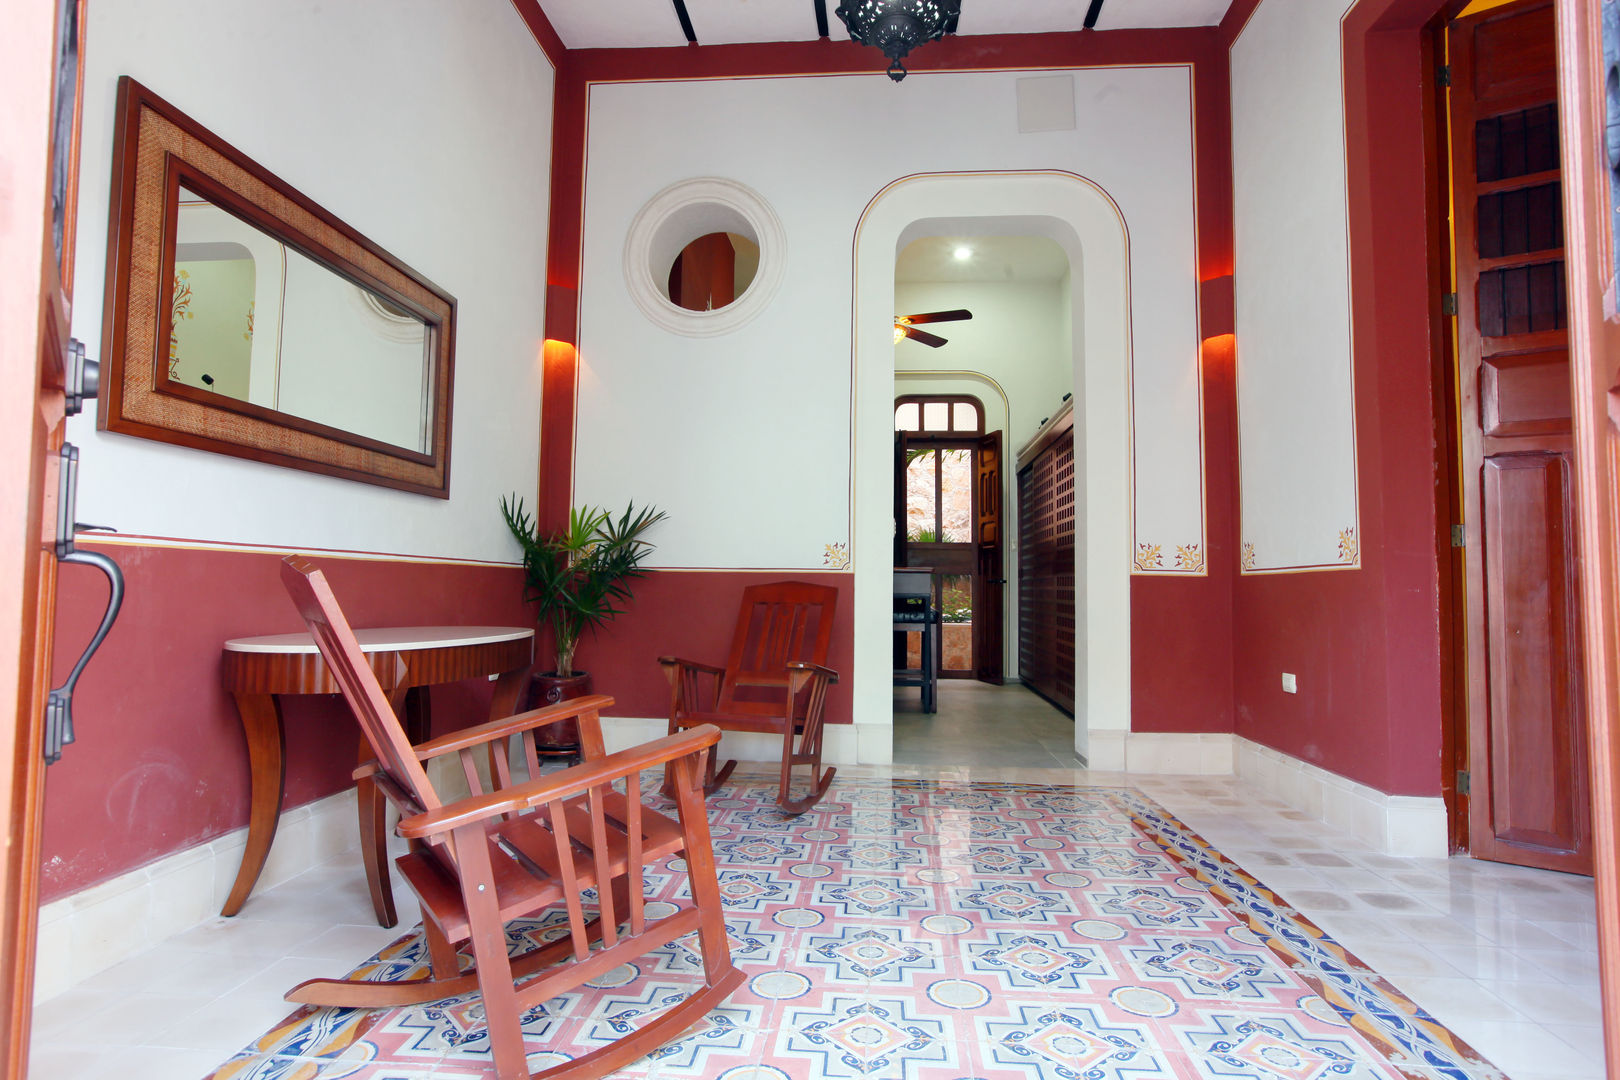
(1503, 956)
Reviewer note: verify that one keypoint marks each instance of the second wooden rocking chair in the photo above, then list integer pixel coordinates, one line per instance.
(526, 848)
(775, 681)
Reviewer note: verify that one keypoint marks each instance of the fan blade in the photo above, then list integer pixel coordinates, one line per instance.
(933, 341)
(959, 315)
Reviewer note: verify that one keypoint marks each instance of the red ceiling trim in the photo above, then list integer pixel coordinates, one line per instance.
(1236, 18)
(979, 52)
(545, 35)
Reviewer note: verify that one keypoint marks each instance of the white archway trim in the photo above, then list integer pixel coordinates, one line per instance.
(975, 378)
(1080, 216)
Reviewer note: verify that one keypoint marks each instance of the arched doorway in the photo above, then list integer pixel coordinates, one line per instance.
(1080, 217)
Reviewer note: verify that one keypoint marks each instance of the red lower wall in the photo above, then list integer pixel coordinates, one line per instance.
(691, 614)
(159, 764)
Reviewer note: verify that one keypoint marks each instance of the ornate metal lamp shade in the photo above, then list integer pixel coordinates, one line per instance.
(898, 26)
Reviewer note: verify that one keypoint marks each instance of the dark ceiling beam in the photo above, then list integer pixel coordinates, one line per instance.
(1091, 14)
(686, 21)
(821, 17)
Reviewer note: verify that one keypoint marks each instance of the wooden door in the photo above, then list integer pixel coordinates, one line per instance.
(987, 579)
(1529, 796)
(1588, 56)
(39, 83)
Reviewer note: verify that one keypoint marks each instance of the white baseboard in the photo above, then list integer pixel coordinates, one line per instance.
(1392, 824)
(1186, 754)
(90, 931)
(1406, 825)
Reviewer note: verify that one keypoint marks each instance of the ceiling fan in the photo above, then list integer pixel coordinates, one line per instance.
(905, 326)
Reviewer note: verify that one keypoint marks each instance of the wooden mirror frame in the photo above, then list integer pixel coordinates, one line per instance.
(156, 149)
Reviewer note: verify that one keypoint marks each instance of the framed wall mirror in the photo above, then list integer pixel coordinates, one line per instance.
(243, 319)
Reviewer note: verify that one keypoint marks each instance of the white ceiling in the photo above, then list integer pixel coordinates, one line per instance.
(993, 258)
(605, 24)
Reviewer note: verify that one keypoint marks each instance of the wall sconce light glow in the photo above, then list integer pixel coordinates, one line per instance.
(1219, 350)
(963, 253)
(556, 355)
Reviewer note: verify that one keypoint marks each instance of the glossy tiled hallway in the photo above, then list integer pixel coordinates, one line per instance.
(980, 724)
(1504, 957)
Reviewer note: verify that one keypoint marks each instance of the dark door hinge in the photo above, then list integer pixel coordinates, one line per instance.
(1464, 781)
(1442, 74)
(1459, 536)
(1448, 304)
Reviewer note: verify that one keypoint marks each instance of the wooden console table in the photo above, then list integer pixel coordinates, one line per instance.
(405, 659)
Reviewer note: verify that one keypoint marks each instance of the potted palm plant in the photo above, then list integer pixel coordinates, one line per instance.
(577, 577)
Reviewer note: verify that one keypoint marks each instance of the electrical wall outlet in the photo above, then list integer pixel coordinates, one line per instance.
(1289, 686)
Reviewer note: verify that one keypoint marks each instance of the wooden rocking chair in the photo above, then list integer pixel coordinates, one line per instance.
(526, 848)
(775, 681)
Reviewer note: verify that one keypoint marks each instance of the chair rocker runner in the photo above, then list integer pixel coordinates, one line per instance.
(525, 848)
(775, 681)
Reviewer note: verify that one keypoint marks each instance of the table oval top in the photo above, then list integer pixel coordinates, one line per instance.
(378, 639)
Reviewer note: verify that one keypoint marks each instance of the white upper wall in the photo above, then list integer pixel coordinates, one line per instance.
(1296, 405)
(426, 126)
(745, 438)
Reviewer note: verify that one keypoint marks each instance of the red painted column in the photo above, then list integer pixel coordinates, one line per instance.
(560, 375)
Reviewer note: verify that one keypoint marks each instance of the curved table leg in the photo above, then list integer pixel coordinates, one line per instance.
(411, 705)
(374, 844)
(261, 723)
(503, 702)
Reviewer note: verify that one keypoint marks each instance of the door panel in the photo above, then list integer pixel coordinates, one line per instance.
(40, 84)
(1538, 792)
(1527, 394)
(1589, 55)
(987, 579)
(1526, 720)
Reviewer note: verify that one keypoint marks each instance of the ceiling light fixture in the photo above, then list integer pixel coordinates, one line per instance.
(963, 253)
(898, 26)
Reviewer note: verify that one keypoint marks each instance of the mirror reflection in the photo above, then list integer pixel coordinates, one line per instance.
(258, 321)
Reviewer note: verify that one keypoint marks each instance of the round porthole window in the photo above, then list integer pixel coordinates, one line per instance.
(704, 256)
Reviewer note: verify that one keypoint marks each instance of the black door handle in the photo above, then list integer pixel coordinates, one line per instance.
(83, 384)
(59, 706)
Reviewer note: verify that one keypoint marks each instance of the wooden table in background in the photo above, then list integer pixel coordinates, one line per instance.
(405, 660)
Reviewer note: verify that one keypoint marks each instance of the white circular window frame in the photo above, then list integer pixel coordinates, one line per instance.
(680, 214)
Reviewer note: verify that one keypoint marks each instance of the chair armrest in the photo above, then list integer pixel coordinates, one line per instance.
(559, 785)
(510, 725)
(675, 661)
(816, 669)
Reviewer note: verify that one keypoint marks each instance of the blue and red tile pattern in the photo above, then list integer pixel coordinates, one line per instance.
(924, 930)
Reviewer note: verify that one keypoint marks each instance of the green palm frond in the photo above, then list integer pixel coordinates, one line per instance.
(578, 576)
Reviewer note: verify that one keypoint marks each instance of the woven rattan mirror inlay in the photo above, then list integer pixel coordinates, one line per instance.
(277, 381)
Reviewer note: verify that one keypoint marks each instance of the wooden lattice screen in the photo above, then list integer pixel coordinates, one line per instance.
(1046, 573)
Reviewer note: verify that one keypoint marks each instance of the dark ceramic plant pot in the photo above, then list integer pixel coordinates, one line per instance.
(547, 688)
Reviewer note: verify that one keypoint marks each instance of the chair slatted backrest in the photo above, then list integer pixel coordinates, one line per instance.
(355, 677)
(780, 623)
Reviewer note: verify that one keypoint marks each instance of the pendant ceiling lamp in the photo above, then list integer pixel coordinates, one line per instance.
(898, 26)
